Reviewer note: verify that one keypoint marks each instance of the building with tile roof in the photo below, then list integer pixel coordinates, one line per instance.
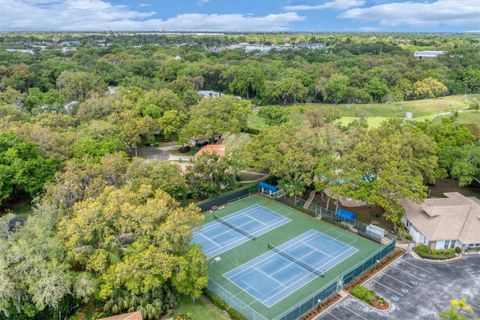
(441, 223)
(137, 315)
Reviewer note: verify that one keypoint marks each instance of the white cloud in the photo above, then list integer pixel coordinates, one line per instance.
(368, 29)
(453, 12)
(97, 15)
(144, 5)
(334, 4)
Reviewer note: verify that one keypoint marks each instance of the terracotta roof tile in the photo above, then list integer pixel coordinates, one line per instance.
(126, 316)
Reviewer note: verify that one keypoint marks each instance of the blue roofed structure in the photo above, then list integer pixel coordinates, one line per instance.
(345, 215)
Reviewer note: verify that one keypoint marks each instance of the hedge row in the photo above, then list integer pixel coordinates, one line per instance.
(427, 253)
(216, 300)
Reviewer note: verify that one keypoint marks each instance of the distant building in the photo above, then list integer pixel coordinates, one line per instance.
(264, 48)
(217, 149)
(29, 51)
(312, 46)
(443, 223)
(427, 54)
(209, 93)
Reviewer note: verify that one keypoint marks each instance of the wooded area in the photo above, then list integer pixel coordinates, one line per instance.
(113, 230)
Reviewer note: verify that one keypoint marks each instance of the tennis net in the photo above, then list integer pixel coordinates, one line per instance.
(295, 260)
(231, 226)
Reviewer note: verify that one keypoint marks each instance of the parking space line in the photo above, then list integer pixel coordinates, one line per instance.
(398, 280)
(401, 295)
(355, 313)
(330, 313)
(426, 271)
(411, 275)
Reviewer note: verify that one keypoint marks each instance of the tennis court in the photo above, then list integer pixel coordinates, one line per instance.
(237, 228)
(274, 275)
(294, 261)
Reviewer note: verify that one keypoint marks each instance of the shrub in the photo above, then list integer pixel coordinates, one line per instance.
(425, 252)
(367, 295)
(362, 293)
(234, 314)
(458, 249)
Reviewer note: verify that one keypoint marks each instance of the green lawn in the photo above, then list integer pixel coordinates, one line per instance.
(299, 223)
(465, 117)
(200, 309)
(378, 112)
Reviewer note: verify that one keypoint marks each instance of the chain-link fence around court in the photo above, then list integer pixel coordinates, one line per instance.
(323, 293)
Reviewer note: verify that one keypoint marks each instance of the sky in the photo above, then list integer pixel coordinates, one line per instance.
(241, 15)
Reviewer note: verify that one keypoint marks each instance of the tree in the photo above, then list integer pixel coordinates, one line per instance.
(210, 175)
(274, 115)
(52, 99)
(458, 310)
(429, 88)
(138, 245)
(76, 85)
(336, 89)
(377, 88)
(213, 117)
(163, 175)
(245, 80)
(285, 90)
(156, 102)
(456, 147)
(387, 165)
(22, 169)
(289, 152)
(171, 123)
(35, 275)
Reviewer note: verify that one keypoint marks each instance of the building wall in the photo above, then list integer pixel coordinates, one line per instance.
(417, 236)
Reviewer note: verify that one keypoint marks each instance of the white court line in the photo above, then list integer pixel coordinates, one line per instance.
(309, 273)
(265, 302)
(355, 313)
(267, 255)
(208, 226)
(386, 274)
(426, 271)
(411, 275)
(265, 228)
(401, 295)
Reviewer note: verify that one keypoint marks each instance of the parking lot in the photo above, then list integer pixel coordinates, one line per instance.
(416, 290)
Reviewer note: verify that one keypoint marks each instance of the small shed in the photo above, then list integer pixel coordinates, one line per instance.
(345, 215)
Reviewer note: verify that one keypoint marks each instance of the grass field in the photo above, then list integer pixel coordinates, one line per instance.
(378, 112)
(200, 309)
(299, 224)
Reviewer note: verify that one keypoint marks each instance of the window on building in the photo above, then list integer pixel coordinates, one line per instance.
(446, 244)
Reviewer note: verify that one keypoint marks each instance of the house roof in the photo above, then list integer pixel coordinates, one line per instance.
(126, 316)
(218, 149)
(455, 217)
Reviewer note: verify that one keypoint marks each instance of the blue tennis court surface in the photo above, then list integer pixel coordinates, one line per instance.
(216, 237)
(271, 277)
